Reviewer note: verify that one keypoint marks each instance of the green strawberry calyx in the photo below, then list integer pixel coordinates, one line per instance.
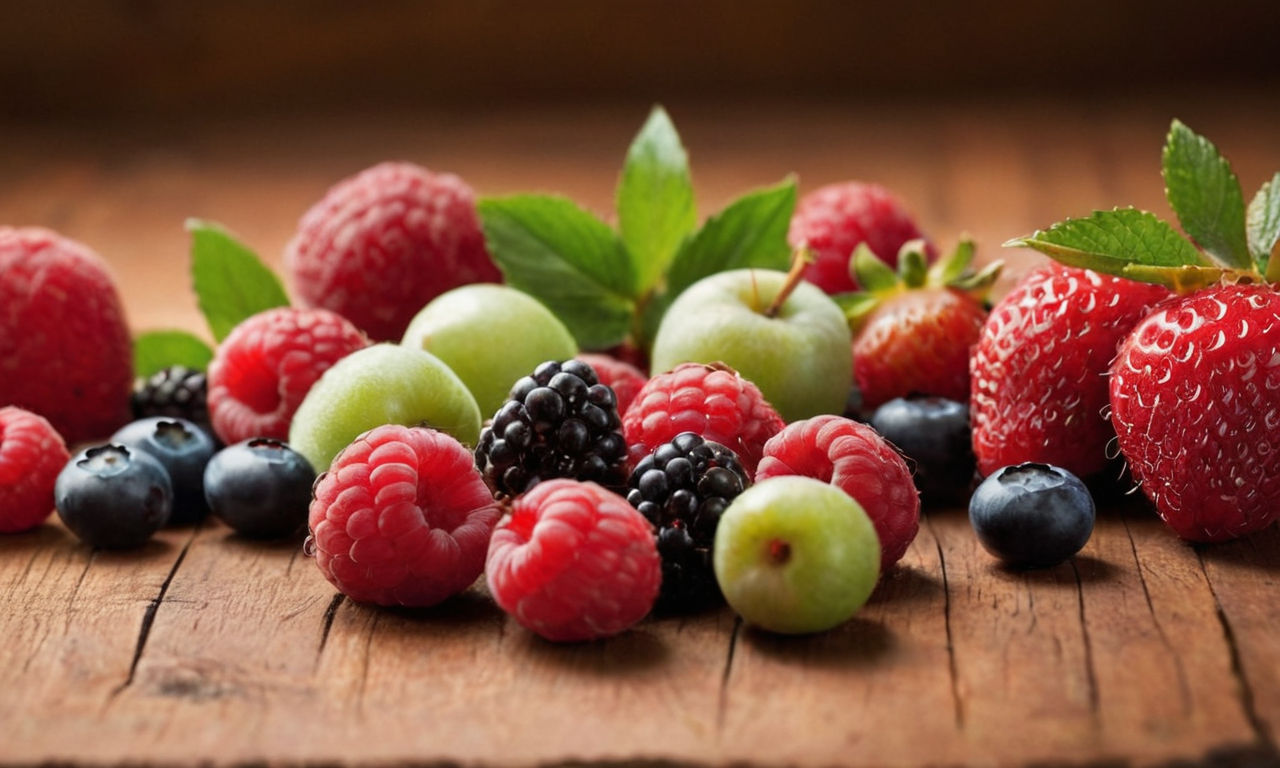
(1224, 240)
(879, 282)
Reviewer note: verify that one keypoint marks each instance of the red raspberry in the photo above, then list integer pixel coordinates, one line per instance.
(264, 369)
(833, 220)
(710, 400)
(574, 562)
(624, 379)
(383, 243)
(65, 351)
(857, 460)
(31, 456)
(402, 518)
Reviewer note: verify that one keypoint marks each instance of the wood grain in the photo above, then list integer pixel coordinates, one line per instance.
(204, 648)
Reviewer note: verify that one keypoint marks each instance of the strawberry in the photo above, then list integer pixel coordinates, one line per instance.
(912, 330)
(1195, 388)
(1195, 400)
(1038, 385)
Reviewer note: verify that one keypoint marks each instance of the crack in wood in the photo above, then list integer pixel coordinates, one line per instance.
(956, 702)
(1184, 689)
(327, 624)
(1090, 672)
(1261, 730)
(71, 601)
(364, 666)
(149, 616)
(722, 702)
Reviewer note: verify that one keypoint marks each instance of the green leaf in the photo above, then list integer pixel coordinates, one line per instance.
(856, 305)
(1183, 279)
(980, 281)
(1109, 241)
(231, 282)
(749, 232)
(656, 208)
(1205, 193)
(566, 258)
(153, 351)
(1264, 221)
(948, 269)
(870, 272)
(913, 268)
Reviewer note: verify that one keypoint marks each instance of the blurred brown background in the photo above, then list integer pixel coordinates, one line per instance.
(121, 118)
(113, 57)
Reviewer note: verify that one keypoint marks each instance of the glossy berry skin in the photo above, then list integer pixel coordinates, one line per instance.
(31, 456)
(709, 400)
(1032, 515)
(177, 392)
(858, 461)
(834, 219)
(1038, 371)
(933, 433)
(183, 449)
(574, 561)
(625, 379)
(113, 496)
(65, 348)
(384, 243)
(401, 518)
(265, 367)
(1195, 401)
(917, 343)
(560, 421)
(259, 487)
(682, 489)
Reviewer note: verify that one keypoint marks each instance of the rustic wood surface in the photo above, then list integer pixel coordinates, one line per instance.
(207, 648)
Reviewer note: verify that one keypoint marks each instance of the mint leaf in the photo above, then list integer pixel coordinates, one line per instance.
(154, 351)
(231, 283)
(566, 258)
(1205, 193)
(750, 232)
(1264, 221)
(655, 198)
(1109, 241)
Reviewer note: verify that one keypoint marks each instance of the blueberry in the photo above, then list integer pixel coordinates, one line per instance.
(934, 433)
(260, 487)
(183, 449)
(1032, 515)
(113, 497)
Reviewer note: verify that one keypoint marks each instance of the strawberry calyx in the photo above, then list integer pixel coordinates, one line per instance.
(879, 282)
(1222, 241)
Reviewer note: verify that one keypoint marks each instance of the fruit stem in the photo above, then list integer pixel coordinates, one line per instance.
(798, 263)
(779, 552)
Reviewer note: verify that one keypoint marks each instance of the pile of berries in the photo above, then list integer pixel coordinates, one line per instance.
(596, 493)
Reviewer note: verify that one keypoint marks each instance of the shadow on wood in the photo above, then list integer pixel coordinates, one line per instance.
(858, 642)
(635, 652)
(905, 584)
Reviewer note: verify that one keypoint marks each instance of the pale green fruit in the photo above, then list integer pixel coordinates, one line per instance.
(381, 384)
(490, 335)
(795, 555)
(802, 359)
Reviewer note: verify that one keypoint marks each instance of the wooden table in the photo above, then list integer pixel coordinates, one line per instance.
(206, 648)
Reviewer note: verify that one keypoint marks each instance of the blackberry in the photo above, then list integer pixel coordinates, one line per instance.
(558, 422)
(683, 488)
(176, 392)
